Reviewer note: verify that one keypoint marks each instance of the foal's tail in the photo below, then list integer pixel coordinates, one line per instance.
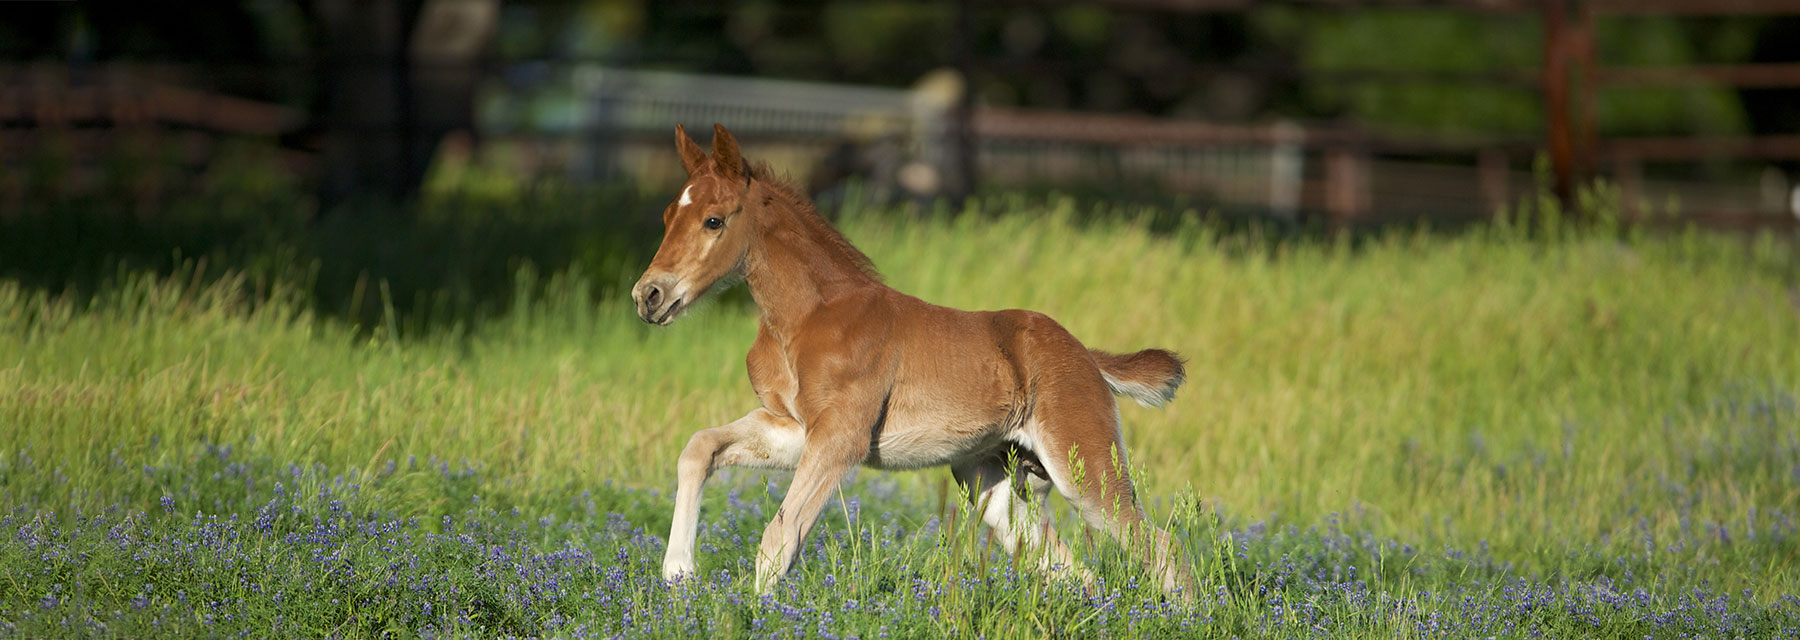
(1150, 376)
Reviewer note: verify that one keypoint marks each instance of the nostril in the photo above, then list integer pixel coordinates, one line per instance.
(653, 297)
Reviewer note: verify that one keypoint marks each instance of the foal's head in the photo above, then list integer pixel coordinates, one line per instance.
(704, 238)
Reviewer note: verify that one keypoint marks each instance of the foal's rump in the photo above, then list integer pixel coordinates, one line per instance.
(1150, 376)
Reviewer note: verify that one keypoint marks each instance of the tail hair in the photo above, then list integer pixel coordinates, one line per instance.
(1150, 376)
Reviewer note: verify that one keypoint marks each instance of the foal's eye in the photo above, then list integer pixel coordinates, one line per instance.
(714, 223)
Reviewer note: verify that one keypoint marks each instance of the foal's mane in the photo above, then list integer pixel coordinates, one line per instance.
(787, 196)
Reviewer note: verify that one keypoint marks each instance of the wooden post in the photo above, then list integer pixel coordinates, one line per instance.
(1560, 136)
(1586, 135)
(1346, 188)
(1491, 166)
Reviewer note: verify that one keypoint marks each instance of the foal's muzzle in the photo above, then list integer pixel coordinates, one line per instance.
(659, 299)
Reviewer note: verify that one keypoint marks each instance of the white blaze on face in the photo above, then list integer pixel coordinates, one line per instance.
(686, 199)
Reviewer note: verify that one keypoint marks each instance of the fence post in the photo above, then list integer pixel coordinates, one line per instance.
(1586, 134)
(1491, 167)
(1287, 168)
(1561, 137)
(1346, 187)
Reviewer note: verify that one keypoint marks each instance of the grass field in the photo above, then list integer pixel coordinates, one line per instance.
(1490, 433)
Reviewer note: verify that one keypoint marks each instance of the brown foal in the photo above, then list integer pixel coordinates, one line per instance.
(851, 372)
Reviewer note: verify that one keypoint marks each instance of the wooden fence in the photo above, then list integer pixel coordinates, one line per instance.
(1337, 172)
(1365, 174)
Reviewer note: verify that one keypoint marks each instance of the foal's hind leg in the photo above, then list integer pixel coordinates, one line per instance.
(760, 440)
(1081, 450)
(1011, 501)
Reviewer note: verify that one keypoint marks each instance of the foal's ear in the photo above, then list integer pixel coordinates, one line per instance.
(691, 154)
(725, 154)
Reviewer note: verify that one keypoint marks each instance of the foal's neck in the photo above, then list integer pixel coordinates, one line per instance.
(797, 261)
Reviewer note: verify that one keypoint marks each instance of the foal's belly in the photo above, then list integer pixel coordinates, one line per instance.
(923, 446)
(928, 430)
(956, 393)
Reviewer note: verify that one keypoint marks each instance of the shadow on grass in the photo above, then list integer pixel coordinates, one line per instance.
(453, 261)
(448, 262)
(444, 263)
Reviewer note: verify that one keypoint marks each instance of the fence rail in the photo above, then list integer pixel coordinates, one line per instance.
(617, 124)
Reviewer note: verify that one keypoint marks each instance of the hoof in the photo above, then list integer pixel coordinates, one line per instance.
(676, 573)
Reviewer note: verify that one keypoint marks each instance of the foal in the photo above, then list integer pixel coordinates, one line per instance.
(851, 372)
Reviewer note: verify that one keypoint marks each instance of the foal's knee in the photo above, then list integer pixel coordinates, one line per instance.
(697, 456)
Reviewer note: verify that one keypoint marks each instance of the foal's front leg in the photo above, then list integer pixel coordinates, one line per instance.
(831, 452)
(761, 440)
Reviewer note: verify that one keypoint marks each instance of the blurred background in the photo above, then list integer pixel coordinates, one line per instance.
(391, 132)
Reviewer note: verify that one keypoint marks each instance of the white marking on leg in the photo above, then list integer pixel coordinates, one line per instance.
(1122, 517)
(695, 465)
(758, 440)
(1022, 523)
(1012, 522)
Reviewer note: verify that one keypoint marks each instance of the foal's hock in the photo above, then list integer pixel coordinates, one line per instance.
(851, 372)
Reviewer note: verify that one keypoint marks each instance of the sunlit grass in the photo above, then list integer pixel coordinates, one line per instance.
(1589, 403)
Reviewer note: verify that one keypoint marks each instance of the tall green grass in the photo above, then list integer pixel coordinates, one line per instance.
(1560, 399)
